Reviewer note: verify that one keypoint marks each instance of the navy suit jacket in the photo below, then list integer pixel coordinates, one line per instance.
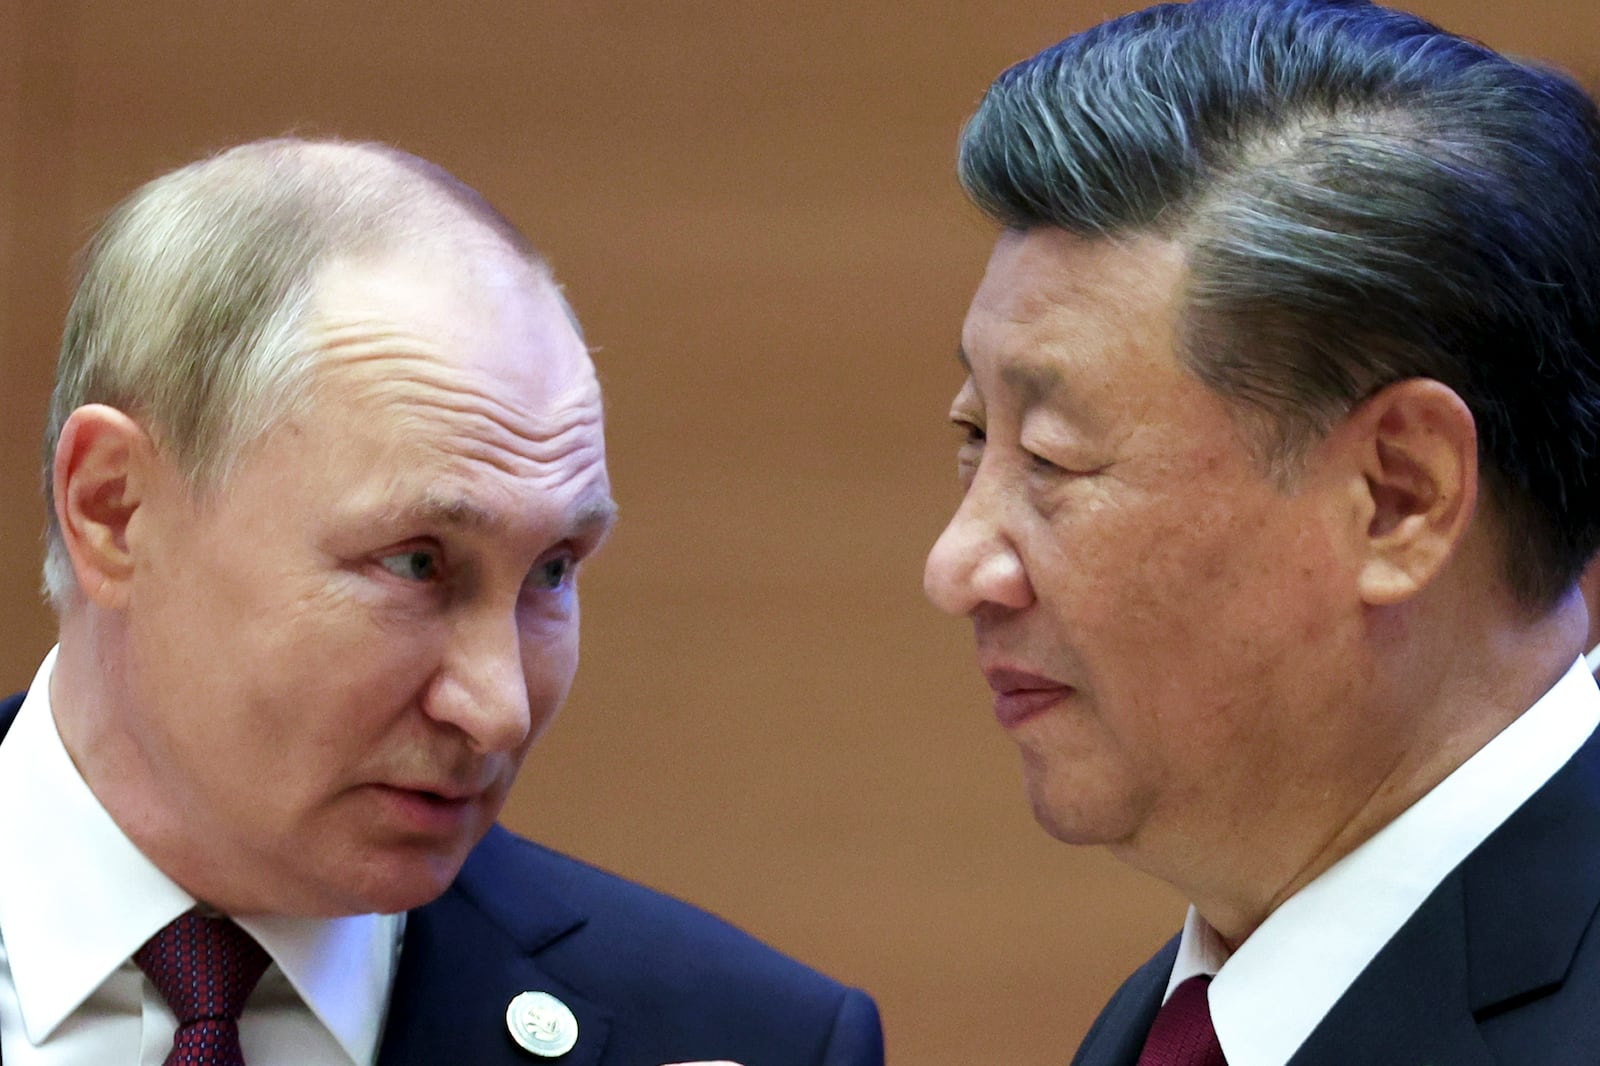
(1501, 964)
(651, 980)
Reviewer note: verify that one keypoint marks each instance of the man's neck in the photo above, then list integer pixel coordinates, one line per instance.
(1449, 699)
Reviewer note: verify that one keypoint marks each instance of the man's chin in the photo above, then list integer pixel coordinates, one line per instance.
(412, 884)
(387, 883)
(1071, 820)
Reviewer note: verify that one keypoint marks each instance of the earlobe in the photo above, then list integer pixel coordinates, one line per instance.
(1420, 466)
(97, 486)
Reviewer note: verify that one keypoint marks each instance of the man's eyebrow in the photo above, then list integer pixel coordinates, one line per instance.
(595, 516)
(454, 511)
(1033, 382)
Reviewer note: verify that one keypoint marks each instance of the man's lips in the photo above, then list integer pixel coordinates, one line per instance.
(1021, 694)
(430, 810)
(440, 793)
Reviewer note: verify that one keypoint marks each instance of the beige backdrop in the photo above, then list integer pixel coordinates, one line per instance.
(753, 209)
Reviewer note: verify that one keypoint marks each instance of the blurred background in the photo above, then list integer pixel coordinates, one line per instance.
(753, 209)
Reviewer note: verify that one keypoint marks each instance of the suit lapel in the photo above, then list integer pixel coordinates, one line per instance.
(1409, 1007)
(466, 956)
(1532, 890)
(1117, 1036)
(1499, 933)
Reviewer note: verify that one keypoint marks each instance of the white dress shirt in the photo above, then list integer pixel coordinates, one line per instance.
(77, 899)
(1271, 993)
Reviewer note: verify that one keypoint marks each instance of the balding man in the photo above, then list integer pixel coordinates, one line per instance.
(325, 457)
(1282, 432)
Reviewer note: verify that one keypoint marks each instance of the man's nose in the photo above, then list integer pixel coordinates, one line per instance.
(975, 561)
(482, 688)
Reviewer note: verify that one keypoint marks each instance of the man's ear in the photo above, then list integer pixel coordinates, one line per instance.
(100, 475)
(1415, 450)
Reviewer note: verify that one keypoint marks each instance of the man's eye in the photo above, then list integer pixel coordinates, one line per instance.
(1042, 465)
(419, 565)
(554, 573)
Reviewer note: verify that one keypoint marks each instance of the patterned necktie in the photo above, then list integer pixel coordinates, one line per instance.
(1182, 1034)
(205, 969)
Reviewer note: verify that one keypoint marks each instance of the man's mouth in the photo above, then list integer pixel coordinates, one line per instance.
(1021, 694)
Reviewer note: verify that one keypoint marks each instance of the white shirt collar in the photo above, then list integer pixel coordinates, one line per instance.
(1269, 996)
(90, 898)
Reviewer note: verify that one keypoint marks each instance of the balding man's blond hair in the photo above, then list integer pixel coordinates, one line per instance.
(189, 313)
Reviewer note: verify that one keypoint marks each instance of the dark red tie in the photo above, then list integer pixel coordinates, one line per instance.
(205, 968)
(1182, 1034)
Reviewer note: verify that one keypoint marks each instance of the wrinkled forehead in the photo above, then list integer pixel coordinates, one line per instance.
(457, 307)
(434, 367)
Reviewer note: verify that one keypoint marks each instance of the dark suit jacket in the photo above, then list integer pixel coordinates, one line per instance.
(651, 980)
(1501, 964)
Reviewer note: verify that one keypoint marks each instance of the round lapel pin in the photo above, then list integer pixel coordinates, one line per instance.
(542, 1024)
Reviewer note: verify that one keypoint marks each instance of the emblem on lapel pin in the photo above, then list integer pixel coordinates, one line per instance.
(542, 1024)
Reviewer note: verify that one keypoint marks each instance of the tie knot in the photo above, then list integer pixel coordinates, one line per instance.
(205, 968)
(1182, 1034)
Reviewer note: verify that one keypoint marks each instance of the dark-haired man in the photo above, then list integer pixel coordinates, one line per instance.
(325, 455)
(1281, 446)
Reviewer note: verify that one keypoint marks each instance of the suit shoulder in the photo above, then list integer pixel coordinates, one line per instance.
(651, 978)
(643, 931)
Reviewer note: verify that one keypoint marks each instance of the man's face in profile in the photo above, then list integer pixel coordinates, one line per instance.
(1147, 604)
(343, 656)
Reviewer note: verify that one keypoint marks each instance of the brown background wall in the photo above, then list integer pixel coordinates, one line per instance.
(752, 206)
